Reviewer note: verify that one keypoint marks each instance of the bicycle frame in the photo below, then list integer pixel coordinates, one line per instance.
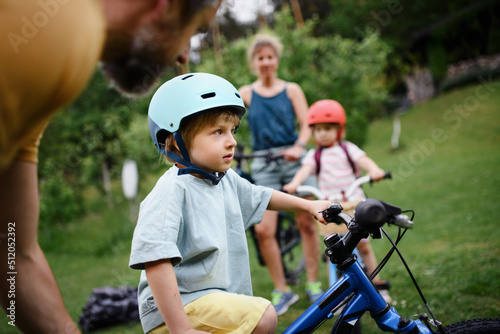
(362, 296)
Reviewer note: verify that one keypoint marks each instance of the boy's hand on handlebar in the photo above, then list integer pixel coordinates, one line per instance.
(316, 209)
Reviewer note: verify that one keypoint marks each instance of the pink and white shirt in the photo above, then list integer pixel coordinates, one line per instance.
(336, 174)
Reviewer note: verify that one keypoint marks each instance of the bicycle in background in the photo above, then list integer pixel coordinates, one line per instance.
(287, 232)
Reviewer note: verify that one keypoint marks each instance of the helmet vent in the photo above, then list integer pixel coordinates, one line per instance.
(188, 76)
(208, 95)
(238, 95)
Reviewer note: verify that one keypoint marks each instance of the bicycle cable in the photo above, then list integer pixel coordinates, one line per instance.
(389, 254)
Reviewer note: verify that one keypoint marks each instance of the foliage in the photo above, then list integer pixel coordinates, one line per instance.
(96, 132)
(58, 200)
(423, 33)
(346, 70)
(463, 27)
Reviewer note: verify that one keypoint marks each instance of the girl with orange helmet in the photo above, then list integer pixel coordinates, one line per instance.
(337, 163)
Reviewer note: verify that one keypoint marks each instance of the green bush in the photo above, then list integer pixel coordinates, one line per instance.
(59, 202)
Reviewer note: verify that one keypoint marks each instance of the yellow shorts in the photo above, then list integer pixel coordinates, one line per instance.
(223, 312)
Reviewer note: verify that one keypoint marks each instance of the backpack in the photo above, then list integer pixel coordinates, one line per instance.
(317, 157)
(108, 306)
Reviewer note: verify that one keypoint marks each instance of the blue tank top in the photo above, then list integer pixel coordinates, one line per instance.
(272, 121)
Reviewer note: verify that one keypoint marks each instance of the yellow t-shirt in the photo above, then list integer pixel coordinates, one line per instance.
(48, 51)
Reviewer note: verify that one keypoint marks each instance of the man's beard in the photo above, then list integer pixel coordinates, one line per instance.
(135, 63)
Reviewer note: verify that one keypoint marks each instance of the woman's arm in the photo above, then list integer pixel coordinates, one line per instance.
(163, 284)
(246, 94)
(281, 201)
(300, 107)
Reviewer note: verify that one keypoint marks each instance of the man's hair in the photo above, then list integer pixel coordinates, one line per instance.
(191, 125)
(193, 7)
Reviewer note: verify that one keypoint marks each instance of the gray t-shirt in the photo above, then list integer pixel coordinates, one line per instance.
(201, 229)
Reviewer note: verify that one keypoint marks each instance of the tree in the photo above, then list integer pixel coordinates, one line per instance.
(424, 33)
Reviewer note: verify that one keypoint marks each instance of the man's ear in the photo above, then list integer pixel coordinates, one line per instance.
(159, 7)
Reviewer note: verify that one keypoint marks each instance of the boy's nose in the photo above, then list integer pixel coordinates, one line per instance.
(232, 142)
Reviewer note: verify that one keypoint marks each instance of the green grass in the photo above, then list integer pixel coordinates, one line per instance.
(446, 170)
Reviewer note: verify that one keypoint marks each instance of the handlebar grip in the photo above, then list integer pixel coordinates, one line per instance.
(387, 175)
(370, 214)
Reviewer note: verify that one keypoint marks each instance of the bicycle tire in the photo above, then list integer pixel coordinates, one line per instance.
(476, 326)
(288, 237)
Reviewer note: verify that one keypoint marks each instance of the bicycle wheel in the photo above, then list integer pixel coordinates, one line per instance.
(476, 326)
(289, 240)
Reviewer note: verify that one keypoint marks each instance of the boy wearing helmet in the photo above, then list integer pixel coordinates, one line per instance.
(190, 240)
(336, 163)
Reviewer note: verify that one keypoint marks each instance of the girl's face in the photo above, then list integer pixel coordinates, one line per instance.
(213, 146)
(325, 134)
(265, 62)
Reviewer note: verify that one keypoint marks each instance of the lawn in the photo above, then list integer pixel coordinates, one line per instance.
(446, 170)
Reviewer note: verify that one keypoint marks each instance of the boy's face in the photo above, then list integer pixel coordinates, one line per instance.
(325, 134)
(213, 146)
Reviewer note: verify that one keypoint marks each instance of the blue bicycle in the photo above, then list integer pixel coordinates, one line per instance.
(354, 294)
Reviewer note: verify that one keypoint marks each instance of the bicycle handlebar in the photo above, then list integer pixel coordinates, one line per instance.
(370, 215)
(238, 156)
(310, 190)
(363, 180)
(359, 181)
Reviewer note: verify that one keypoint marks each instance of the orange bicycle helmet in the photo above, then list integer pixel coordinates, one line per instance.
(327, 111)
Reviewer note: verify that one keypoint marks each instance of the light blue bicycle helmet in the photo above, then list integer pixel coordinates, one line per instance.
(183, 96)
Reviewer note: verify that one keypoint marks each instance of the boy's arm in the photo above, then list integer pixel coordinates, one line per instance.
(163, 284)
(298, 179)
(281, 201)
(371, 168)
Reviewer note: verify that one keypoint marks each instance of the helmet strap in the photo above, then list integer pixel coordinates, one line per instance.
(182, 147)
(191, 168)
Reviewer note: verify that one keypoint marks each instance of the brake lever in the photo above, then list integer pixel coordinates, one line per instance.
(334, 214)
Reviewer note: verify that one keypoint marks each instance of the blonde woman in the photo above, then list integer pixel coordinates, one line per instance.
(276, 107)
